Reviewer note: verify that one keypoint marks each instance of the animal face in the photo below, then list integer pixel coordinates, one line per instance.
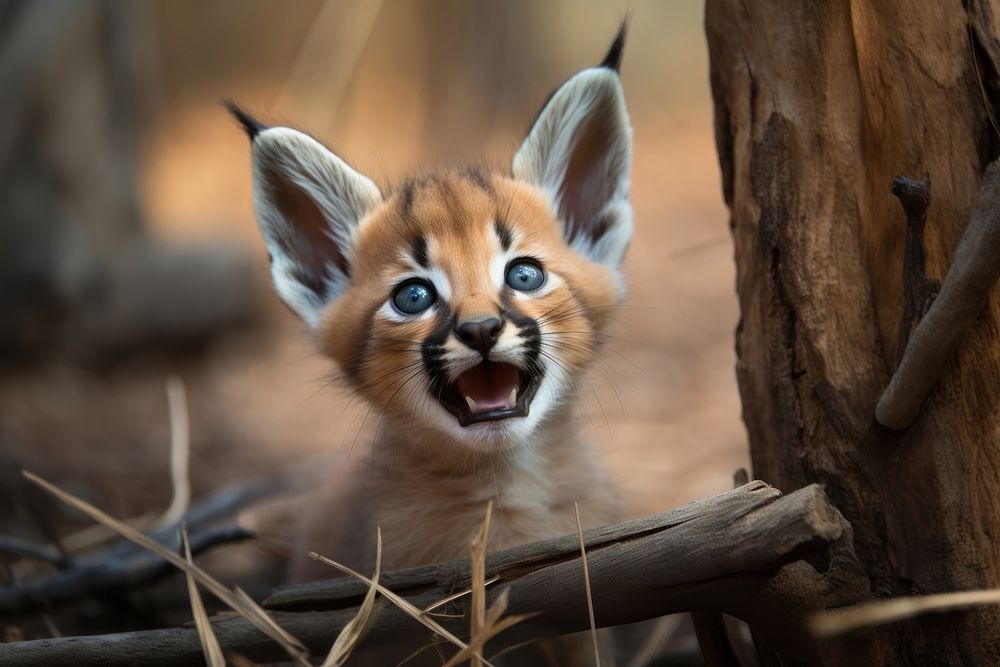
(464, 304)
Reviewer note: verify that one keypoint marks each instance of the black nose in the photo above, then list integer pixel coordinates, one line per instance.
(480, 335)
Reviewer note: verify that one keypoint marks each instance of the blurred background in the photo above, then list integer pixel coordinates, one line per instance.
(129, 251)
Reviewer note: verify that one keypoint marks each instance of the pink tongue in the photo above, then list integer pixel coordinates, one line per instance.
(488, 384)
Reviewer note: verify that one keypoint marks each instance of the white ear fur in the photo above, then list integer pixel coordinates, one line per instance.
(579, 152)
(309, 204)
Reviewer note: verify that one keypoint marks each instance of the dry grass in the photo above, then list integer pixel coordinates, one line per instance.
(477, 551)
(353, 631)
(484, 624)
(236, 599)
(429, 609)
(494, 624)
(180, 478)
(180, 453)
(400, 602)
(586, 583)
(838, 621)
(209, 642)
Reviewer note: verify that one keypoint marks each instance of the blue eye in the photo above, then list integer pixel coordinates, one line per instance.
(414, 296)
(525, 275)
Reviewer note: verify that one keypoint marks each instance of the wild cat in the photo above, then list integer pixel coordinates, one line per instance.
(464, 306)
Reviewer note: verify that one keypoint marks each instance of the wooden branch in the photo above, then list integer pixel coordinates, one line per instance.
(100, 574)
(973, 272)
(918, 290)
(225, 502)
(18, 548)
(720, 554)
(123, 564)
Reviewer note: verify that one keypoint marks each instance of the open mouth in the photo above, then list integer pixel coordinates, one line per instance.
(489, 391)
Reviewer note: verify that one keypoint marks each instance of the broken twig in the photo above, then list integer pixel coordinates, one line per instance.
(15, 546)
(122, 564)
(98, 575)
(918, 290)
(209, 642)
(974, 270)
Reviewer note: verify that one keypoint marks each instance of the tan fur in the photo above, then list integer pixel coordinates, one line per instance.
(430, 506)
(464, 244)
(464, 309)
(429, 494)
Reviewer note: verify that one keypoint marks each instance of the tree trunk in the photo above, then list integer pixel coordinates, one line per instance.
(81, 275)
(818, 106)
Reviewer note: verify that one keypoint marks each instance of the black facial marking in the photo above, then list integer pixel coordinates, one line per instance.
(452, 202)
(477, 177)
(359, 360)
(418, 247)
(504, 234)
(406, 196)
(446, 391)
(432, 352)
(528, 330)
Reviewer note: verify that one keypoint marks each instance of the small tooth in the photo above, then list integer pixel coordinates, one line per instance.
(473, 406)
(512, 399)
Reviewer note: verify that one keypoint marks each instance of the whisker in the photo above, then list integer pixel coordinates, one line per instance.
(596, 334)
(409, 379)
(603, 367)
(620, 354)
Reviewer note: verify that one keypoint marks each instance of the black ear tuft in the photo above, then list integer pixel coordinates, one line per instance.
(614, 58)
(250, 124)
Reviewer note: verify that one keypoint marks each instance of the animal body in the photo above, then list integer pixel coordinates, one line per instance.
(465, 307)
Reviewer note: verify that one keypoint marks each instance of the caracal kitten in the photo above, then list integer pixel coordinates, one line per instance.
(464, 307)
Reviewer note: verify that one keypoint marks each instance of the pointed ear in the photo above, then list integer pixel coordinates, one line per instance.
(308, 203)
(579, 151)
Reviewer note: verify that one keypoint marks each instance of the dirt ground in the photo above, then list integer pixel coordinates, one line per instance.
(662, 404)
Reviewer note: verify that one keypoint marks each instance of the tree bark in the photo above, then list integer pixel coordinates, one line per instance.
(818, 106)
